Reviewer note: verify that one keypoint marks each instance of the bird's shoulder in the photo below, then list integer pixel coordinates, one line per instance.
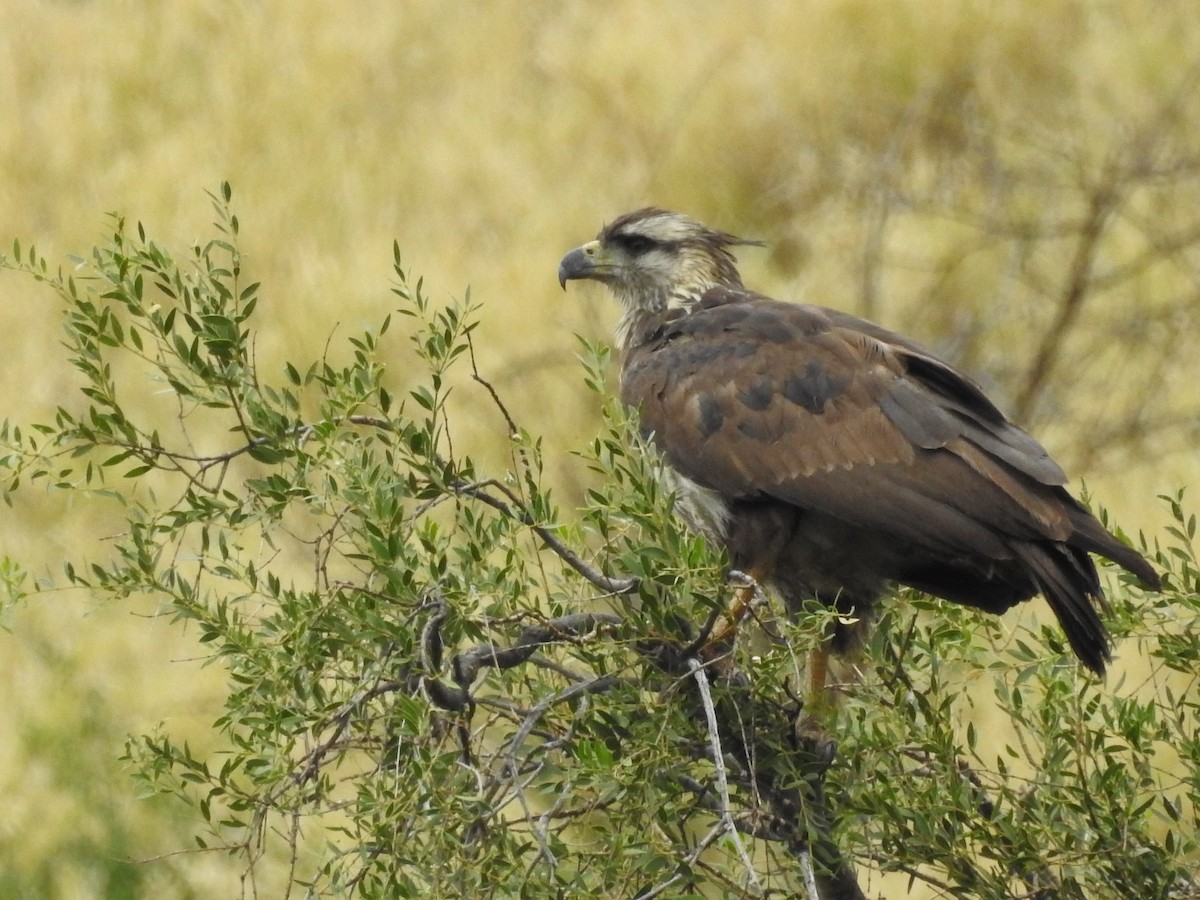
(726, 315)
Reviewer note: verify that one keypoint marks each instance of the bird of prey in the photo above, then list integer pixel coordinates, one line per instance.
(831, 457)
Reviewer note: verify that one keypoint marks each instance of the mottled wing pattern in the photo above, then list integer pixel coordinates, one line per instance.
(757, 398)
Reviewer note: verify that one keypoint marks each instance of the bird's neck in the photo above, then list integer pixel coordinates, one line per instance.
(633, 326)
(643, 313)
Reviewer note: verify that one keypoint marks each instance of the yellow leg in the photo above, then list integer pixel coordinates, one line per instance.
(743, 598)
(818, 674)
(820, 704)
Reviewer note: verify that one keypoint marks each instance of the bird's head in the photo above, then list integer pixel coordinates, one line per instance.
(652, 259)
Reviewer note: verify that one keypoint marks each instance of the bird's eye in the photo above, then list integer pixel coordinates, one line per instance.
(637, 244)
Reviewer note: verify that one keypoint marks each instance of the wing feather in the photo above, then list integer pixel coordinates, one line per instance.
(753, 398)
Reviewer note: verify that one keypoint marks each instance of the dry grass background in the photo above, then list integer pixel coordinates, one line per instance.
(487, 139)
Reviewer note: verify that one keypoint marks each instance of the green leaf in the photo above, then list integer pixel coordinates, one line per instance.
(265, 453)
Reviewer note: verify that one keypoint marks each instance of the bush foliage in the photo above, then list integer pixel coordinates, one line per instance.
(440, 683)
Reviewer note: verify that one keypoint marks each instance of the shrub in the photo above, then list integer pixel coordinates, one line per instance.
(442, 684)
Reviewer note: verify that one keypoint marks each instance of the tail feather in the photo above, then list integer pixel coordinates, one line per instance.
(1090, 535)
(1067, 578)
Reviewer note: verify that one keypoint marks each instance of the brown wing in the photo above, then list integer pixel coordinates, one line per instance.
(757, 398)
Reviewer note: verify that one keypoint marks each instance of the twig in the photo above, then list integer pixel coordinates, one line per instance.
(707, 841)
(1039, 878)
(912, 872)
(714, 737)
(809, 875)
(465, 666)
(1103, 202)
(602, 581)
(516, 509)
(513, 430)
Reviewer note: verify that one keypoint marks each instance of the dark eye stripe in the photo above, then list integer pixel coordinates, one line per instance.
(636, 244)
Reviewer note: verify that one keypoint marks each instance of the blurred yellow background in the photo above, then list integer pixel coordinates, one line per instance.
(925, 162)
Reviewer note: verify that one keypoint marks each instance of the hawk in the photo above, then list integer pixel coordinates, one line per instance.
(831, 457)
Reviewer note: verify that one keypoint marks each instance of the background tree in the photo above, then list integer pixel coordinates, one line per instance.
(442, 682)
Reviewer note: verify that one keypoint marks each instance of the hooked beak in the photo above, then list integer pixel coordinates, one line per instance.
(582, 262)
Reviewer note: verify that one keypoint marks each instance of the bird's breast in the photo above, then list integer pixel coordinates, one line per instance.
(702, 509)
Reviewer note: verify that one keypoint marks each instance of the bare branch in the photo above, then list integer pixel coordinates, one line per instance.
(718, 756)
